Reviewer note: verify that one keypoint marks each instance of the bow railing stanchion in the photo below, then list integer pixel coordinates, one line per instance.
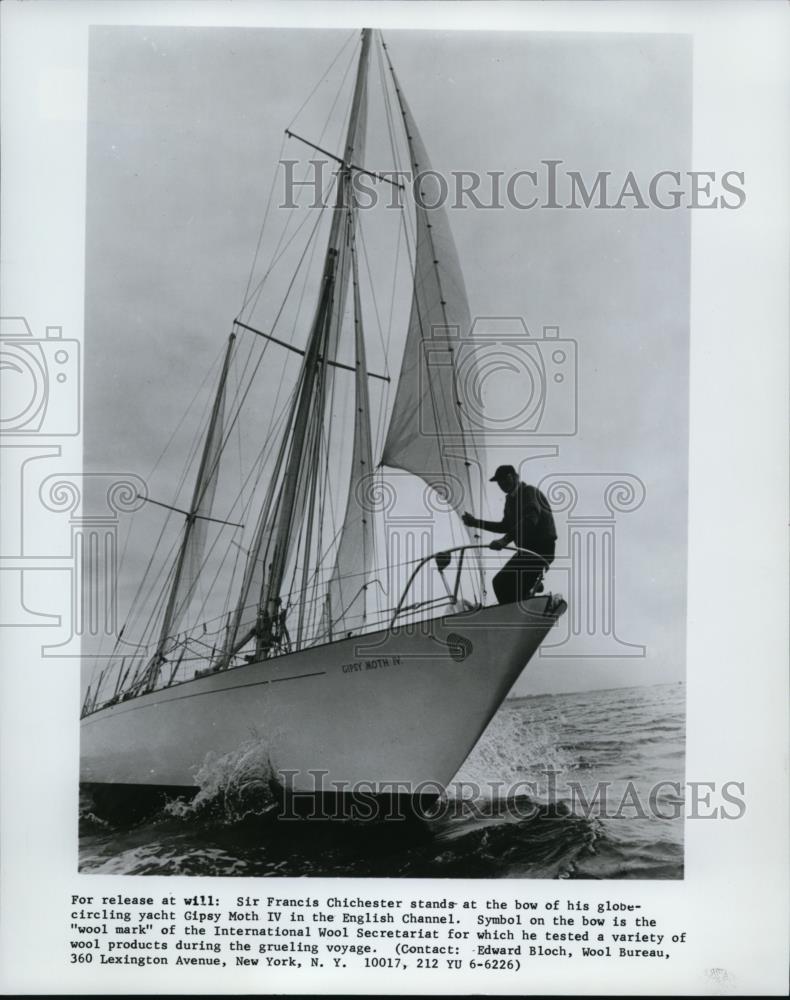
(452, 599)
(457, 586)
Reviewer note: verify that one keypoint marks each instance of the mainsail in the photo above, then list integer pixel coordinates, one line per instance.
(427, 435)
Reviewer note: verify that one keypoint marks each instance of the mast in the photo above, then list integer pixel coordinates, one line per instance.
(270, 603)
(306, 420)
(318, 339)
(206, 475)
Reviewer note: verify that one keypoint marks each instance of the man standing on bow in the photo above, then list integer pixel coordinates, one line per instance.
(528, 522)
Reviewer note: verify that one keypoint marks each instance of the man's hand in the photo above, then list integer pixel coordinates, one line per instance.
(469, 520)
(497, 544)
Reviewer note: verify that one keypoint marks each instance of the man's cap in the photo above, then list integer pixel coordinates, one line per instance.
(501, 472)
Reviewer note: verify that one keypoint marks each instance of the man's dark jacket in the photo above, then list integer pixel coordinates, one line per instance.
(527, 520)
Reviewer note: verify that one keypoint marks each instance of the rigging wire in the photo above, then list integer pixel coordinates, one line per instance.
(276, 255)
(258, 363)
(254, 297)
(314, 487)
(368, 623)
(137, 602)
(324, 438)
(122, 559)
(240, 492)
(146, 583)
(290, 287)
(320, 441)
(323, 77)
(266, 451)
(176, 543)
(379, 443)
(148, 628)
(262, 227)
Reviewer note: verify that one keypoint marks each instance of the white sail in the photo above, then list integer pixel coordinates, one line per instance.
(316, 705)
(427, 435)
(189, 562)
(195, 544)
(347, 591)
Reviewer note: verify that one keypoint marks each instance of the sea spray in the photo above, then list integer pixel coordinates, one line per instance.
(613, 731)
(515, 749)
(232, 785)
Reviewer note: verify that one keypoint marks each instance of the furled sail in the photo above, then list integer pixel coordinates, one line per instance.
(195, 547)
(193, 544)
(346, 602)
(427, 435)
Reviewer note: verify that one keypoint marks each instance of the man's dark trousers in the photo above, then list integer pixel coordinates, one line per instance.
(519, 575)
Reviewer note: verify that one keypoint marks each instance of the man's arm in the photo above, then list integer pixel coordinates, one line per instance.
(476, 522)
(501, 543)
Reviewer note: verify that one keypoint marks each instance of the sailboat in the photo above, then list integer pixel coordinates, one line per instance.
(344, 696)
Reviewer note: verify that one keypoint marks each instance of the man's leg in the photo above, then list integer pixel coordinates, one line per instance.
(531, 568)
(501, 588)
(518, 576)
(528, 573)
(506, 582)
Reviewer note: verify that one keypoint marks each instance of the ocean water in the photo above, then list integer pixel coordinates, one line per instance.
(524, 805)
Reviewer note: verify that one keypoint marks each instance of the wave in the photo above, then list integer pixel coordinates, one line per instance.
(231, 786)
(516, 747)
(233, 826)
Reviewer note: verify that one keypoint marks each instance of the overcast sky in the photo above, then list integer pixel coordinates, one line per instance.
(185, 129)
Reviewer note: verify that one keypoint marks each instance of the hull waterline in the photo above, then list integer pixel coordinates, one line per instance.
(391, 710)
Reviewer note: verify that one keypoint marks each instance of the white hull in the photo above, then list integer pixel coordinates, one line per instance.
(392, 706)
